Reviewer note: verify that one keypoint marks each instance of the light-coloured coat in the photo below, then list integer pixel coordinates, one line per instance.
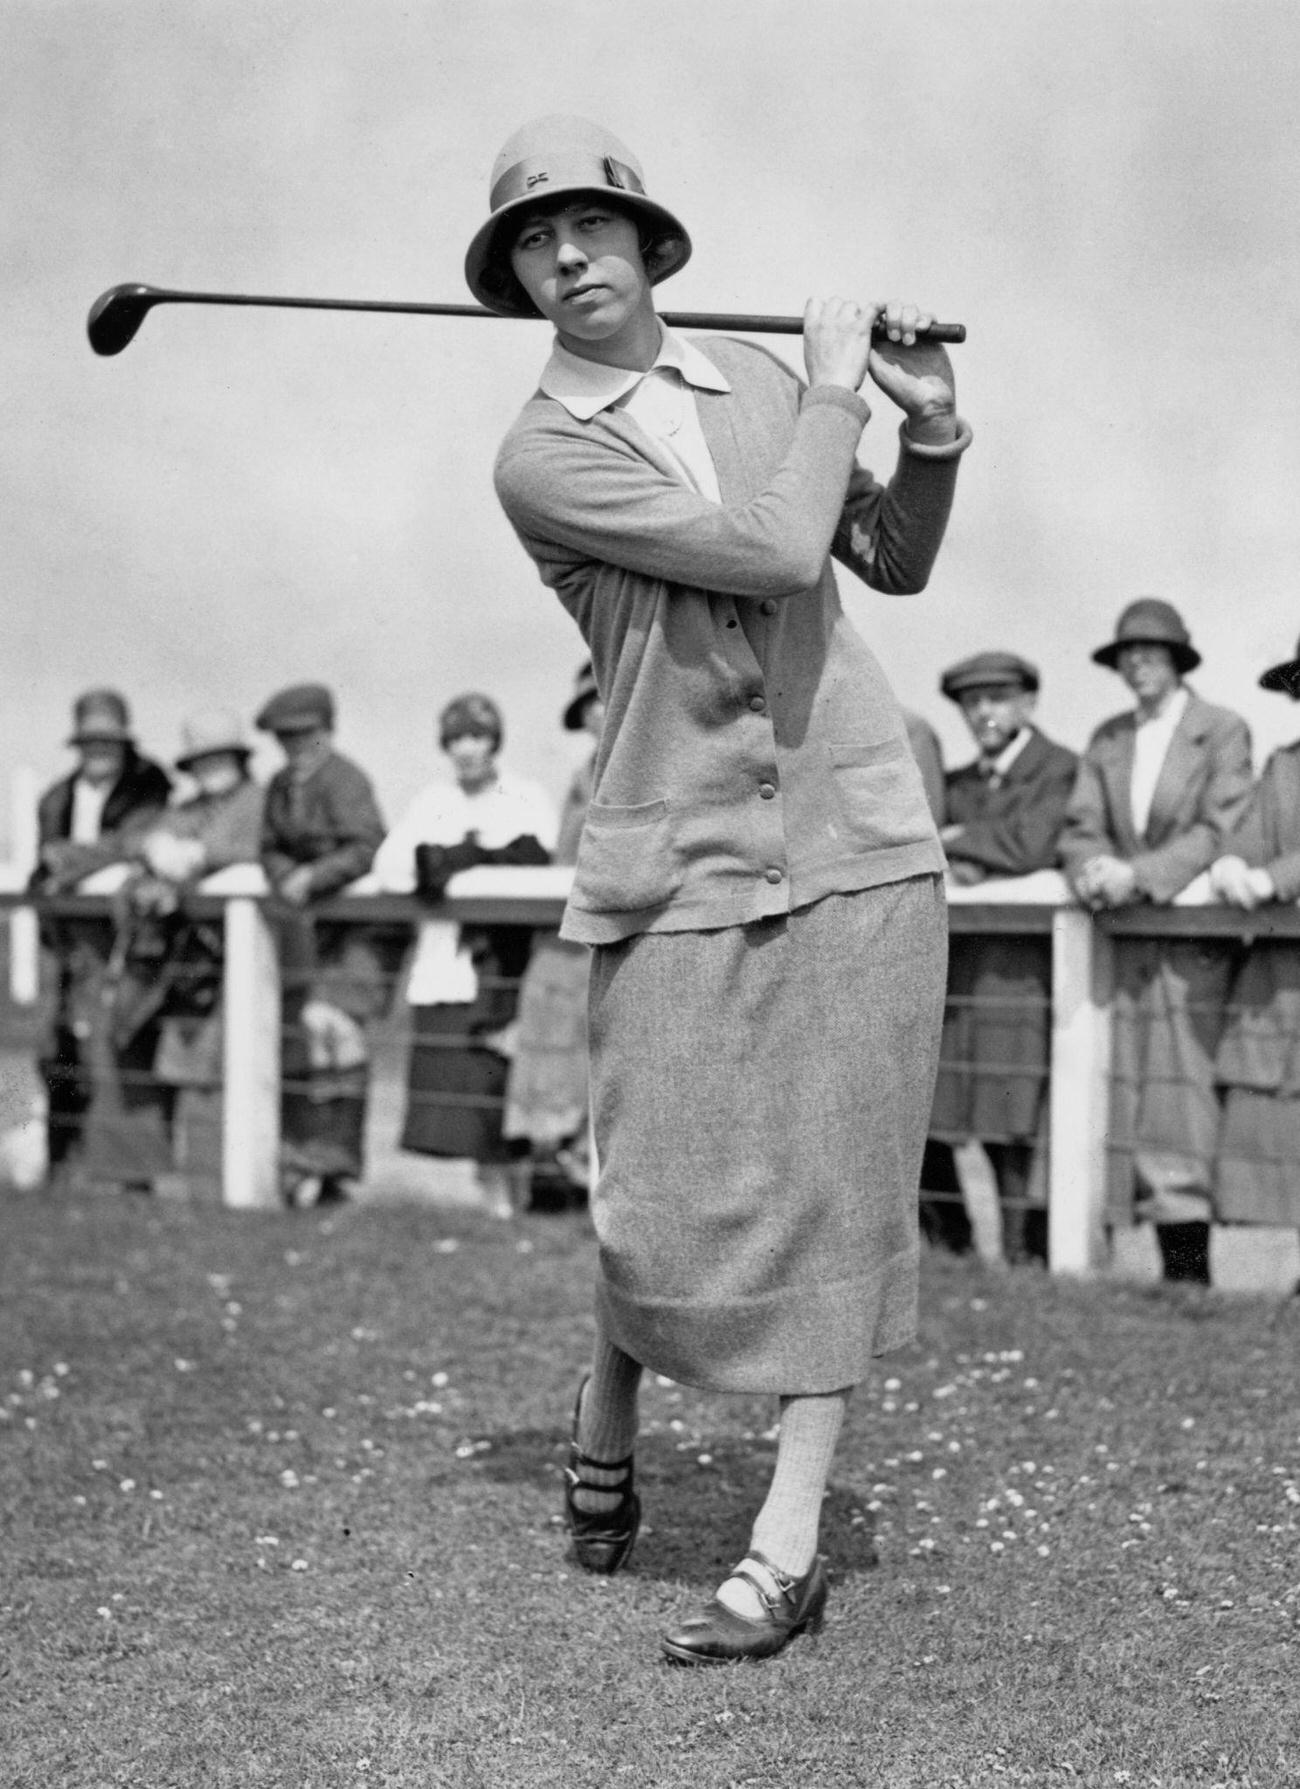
(1170, 996)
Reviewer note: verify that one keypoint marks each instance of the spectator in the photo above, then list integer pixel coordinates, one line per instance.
(174, 956)
(103, 1112)
(546, 1089)
(321, 828)
(1004, 812)
(1258, 1068)
(463, 981)
(1159, 791)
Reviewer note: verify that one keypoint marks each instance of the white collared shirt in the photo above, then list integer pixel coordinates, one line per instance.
(660, 401)
(1151, 741)
(88, 802)
(994, 770)
(443, 813)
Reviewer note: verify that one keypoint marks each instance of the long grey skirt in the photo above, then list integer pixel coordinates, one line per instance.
(760, 1097)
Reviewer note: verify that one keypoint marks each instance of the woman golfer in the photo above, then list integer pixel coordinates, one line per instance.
(759, 876)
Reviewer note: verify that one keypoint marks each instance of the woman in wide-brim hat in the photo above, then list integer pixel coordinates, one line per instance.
(759, 877)
(1257, 1173)
(1159, 790)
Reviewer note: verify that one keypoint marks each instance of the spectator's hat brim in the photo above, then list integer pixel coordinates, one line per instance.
(101, 716)
(989, 670)
(1150, 621)
(1284, 677)
(207, 735)
(298, 709)
(584, 691)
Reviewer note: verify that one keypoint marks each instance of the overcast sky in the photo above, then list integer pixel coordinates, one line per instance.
(1106, 194)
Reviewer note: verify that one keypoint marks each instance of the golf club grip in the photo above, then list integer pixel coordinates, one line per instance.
(745, 324)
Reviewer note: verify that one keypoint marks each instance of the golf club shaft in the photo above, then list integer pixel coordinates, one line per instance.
(118, 313)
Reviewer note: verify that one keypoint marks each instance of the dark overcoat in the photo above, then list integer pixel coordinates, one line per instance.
(1258, 1065)
(997, 1021)
(101, 1103)
(1170, 996)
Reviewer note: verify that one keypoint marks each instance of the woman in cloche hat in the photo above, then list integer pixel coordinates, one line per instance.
(462, 979)
(1257, 1177)
(759, 876)
(1159, 790)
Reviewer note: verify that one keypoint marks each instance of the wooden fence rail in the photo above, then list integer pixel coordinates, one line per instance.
(1082, 982)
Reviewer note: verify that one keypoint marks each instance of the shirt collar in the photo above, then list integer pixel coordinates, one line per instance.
(585, 387)
(1000, 765)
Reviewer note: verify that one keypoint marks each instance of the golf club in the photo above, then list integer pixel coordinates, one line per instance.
(116, 315)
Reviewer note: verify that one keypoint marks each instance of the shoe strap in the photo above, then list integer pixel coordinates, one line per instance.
(580, 1463)
(784, 1581)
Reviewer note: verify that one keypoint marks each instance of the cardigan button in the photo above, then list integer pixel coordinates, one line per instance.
(757, 704)
(770, 605)
(773, 875)
(767, 791)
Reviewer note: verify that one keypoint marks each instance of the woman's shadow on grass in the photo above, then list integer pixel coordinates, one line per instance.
(696, 1517)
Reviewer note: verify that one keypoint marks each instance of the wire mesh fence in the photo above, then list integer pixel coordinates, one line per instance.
(129, 1047)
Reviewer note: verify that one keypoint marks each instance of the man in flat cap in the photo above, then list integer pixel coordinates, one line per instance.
(1004, 811)
(321, 827)
(1161, 789)
(87, 820)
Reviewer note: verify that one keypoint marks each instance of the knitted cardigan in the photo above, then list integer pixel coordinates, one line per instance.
(753, 757)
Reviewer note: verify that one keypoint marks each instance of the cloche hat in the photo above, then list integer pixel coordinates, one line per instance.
(1150, 621)
(1284, 677)
(554, 157)
(100, 714)
(988, 670)
(584, 691)
(202, 735)
(471, 713)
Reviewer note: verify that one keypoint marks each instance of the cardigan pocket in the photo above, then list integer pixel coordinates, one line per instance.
(628, 858)
(879, 794)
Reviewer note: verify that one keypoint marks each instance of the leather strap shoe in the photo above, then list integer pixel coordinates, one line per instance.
(718, 1636)
(602, 1539)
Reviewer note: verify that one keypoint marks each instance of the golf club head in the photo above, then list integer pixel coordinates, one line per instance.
(116, 316)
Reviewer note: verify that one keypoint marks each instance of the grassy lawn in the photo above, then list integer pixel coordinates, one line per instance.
(281, 1505)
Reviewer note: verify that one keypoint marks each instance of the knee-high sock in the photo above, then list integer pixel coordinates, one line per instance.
(607, 1422)
(785, 1530)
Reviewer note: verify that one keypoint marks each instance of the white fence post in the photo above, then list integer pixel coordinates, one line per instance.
(250, 1133)
(1082, 987)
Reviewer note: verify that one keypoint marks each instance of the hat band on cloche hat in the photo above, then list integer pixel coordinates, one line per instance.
(575, 169)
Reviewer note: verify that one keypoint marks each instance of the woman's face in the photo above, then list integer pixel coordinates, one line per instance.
(102, 760)
(473, 759)
(1149, 670)
(581, 266)
(217, 773)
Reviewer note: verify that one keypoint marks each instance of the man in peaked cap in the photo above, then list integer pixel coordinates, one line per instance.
(321, 827)
(1003, 813)
(1160, 790)
(87, 820)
